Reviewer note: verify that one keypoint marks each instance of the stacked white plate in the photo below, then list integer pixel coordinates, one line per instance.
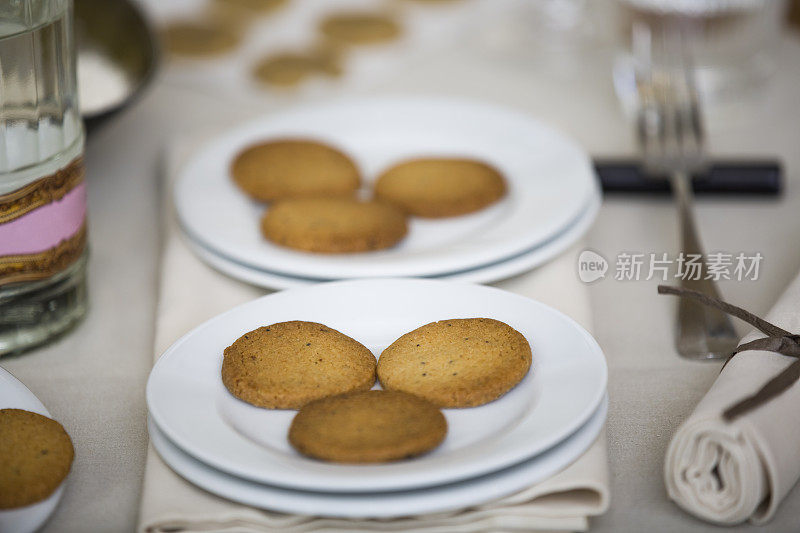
(241, 452)
(553, 194)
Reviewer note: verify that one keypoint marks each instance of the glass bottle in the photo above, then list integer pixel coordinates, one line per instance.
(42, 190)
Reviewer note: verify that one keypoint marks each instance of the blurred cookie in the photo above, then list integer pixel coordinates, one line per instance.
(293, 168)
(200, 38)
(333, 225)
(434, 2)
(286, 365)
(253, 6)
(456, 363)
(289, 69)
(356, 28)
(367, 427)
(35, 456)
(241, 14)
(439, 187)
(285, 70)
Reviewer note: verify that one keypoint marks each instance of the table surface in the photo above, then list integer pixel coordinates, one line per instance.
(93, 379)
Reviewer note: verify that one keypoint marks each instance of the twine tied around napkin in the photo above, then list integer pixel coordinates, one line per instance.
(777, 340)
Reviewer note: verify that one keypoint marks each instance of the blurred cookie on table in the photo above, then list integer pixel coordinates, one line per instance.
(200, 38)
(217, 30)
(360, 28)
(285, 69)
(252, 7)
(241, 14)
(290, 69)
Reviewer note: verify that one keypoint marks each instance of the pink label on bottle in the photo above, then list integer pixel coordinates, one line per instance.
(46, 226)
(43, 226)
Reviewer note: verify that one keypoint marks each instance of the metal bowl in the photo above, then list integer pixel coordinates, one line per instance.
(118, 56)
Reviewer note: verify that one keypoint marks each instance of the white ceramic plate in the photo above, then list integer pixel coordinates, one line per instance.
(475, 491)
(550, 182)
(187, 400)
(15, 395)
(484, 274)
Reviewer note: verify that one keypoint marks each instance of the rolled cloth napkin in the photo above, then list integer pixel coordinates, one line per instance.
(563, 502)
(728, 472)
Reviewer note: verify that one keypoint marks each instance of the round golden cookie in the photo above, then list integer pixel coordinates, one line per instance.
(333, 225)
(294, 168)
(286, 365)
(456, 363)
(200, 39)
(359, 28)
(35, 457)
(438, 187)
(367, 427)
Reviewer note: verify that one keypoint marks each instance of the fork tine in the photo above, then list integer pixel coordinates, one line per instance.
(696, 120)
(693, 118)
(668, 123)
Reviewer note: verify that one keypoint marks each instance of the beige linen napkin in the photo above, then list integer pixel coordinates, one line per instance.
(192, 292)
(731, 472)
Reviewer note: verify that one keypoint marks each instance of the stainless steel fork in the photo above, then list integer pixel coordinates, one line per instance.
(671, 138)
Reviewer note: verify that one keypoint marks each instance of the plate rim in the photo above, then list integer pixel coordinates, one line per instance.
(520, 454)
(24, 391)
(579, 442)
